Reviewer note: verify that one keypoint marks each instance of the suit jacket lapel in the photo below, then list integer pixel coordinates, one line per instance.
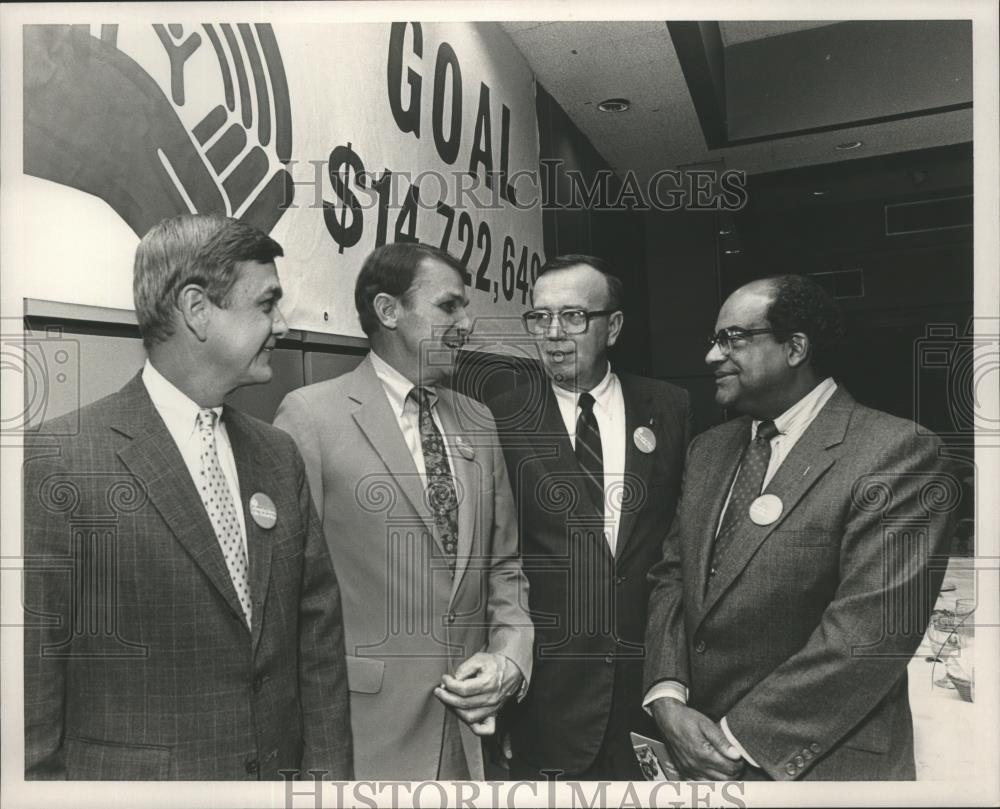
(379, 424)
(728, 456)
(808, 461)
(250, 469)
(639, 412)
(153, 457)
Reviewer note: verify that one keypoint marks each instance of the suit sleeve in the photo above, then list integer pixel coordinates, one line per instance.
(666, 636)
(46, 623)
(294, 418)
(328, 744)
(897, 522)
(511, 631)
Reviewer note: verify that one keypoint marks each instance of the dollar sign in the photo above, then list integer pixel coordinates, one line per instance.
(342, 160)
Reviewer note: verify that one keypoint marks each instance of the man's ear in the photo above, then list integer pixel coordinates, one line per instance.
(798, 349)
(386, 308)
(616, 320)
(195, 310)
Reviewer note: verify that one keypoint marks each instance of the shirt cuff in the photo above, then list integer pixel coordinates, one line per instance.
(671, 689)
(732, 740)
(522, 690)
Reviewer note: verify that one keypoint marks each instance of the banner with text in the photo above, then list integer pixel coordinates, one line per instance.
(332, 138)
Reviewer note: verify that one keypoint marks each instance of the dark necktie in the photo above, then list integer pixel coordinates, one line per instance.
(440, 486)
(589, 453)
(746, 489)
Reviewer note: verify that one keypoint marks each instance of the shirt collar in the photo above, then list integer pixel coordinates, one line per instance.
(601, 391)
(397, 387)
(801, 414)
(178, 411)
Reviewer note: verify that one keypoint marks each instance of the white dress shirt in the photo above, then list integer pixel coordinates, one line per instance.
(180, 414)
(609, 410)
(791, 425)
(407, 412)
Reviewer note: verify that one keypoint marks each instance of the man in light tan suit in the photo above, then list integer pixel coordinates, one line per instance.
(417, 511)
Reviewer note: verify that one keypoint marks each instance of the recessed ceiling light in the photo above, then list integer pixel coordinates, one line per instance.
(614, 105)
(821, 192)
(849, 145)
(733, 252)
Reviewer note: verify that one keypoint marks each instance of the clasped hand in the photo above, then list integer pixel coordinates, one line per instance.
(698, 745)
(478, 688)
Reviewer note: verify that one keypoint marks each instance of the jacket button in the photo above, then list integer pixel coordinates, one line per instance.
(252, 767)
(700, 647)
(800, 762)
(609, 658)
(450, 617)
(258, 683)
(808, 754)
(790, 769)
(619, 579)
(814, 747)
(711, 571)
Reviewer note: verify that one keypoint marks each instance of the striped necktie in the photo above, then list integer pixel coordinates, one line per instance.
(589, 453)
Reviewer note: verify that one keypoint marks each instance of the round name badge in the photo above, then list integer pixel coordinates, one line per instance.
(263, 511)
(766, 509)
(644, 439)
(466, 451)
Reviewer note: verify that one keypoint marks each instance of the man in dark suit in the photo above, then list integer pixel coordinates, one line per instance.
(411, 485)
(800, 570)
(182, 615)
(595, 462)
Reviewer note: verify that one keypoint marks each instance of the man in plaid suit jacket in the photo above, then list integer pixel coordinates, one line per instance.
(182, 617)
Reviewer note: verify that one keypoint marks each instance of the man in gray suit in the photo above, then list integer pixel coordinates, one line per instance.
(800, 570)
(182, 617)
(411, 485)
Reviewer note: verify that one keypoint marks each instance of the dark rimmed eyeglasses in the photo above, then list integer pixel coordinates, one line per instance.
(725, 339)
(573, 321)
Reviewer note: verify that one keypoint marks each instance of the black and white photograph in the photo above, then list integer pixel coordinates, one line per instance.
(418, 403)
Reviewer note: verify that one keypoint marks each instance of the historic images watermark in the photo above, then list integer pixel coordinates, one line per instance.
(556, 186)
(303, 794)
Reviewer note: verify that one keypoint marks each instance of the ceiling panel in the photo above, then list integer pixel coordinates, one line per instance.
(637, 60)
(734, 32)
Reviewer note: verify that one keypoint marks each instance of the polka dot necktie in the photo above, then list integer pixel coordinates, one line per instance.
(440, 484)
(746, 489)
(218, 500)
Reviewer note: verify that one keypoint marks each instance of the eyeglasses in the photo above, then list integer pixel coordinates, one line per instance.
(573, 321)
(725, 338)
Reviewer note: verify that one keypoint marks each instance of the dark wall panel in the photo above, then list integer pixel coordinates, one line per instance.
(570, 226)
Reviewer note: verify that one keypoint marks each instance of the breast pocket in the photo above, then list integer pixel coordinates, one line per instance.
(95, 760)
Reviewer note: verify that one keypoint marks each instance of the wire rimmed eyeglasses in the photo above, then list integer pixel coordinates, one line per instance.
(726, 339)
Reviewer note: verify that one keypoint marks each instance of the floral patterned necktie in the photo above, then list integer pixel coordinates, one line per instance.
(441, 494)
